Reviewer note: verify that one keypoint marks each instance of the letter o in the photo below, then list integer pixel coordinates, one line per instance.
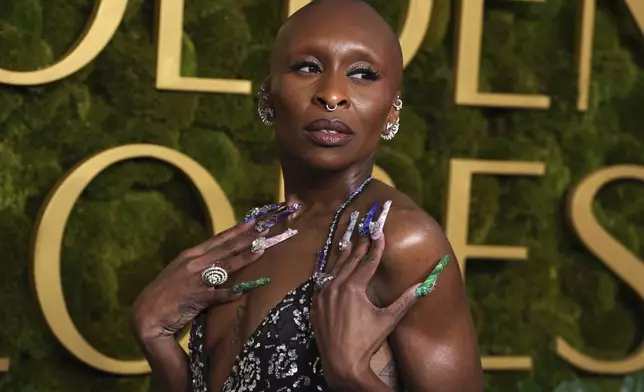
(107, 17)
(51, 227)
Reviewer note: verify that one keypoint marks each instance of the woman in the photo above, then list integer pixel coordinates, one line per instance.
(304, 295)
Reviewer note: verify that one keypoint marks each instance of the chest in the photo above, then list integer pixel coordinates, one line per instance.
(287, 264)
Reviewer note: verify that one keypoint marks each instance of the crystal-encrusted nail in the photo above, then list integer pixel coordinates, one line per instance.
(346, 238)
(275, 219)
(262, 243)
(430, 283)
(366, 221)
(376, 227)
(258, 212)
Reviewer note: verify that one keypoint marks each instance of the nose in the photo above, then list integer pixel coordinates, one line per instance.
(332, 94)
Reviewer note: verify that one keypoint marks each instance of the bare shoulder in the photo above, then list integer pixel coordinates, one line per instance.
(414, 244)
(436, 341)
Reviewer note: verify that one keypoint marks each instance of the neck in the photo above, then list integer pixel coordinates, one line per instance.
(321, 189)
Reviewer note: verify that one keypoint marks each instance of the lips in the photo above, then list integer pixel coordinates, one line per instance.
(329, 133)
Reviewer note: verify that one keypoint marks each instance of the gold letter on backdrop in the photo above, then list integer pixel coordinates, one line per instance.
(469, 61)
(456, 228)
(169, 57)
(637, 10)
(49, 237)
(585, 46)
(614, 255)
(102, 27)
(4, 364)
(417, 21)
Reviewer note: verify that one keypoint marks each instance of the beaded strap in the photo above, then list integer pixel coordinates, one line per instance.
(323, 253)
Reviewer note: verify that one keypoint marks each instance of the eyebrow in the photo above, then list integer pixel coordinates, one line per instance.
(355, 51)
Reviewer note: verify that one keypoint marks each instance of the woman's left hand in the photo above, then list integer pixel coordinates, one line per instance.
(349, 328)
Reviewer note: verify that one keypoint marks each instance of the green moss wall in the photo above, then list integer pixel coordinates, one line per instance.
(136, 215)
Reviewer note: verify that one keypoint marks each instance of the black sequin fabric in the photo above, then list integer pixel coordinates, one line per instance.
(280, 356)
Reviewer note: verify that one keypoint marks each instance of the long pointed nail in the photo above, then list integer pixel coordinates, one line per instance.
(366, 221)
(262, 243)
(346, 238)
(430, 283)
(247, 286)
(376, 228)
(258, 212)
(275, 219)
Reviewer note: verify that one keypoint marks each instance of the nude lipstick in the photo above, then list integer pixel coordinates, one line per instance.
(328, 133)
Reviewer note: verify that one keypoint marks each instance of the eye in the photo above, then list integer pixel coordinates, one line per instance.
(364, 72)
(306, 67)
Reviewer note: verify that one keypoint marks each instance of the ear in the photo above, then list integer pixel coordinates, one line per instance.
(394, 112)
(265, 87)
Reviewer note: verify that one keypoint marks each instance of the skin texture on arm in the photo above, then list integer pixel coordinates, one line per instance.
(435, 345)
(169, 363)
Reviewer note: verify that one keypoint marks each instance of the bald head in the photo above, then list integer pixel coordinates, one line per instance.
(349, 18)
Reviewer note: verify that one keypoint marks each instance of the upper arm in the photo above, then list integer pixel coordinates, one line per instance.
(435, 344)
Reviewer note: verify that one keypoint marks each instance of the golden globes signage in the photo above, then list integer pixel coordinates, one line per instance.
(106, 19)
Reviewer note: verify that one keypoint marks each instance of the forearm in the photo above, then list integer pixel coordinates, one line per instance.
(169, 363)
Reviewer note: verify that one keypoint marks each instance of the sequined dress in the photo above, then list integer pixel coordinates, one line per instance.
(281, 354)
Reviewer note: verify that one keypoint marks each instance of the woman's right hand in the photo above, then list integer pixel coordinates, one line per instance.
(179, 294)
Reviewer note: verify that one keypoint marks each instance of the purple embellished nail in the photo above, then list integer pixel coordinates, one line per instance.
(258, 212)
(376, 228)
(275, 219)
(366, 221)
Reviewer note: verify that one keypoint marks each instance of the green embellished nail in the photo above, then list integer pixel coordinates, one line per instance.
(430, 283)
(247, 286)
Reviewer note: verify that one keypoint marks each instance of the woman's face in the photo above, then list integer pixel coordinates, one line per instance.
(335, 54)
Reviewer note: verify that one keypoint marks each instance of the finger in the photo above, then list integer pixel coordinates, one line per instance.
(347, 267)
(235, 263)
(345, 241)
(345, 246)
(223, 237)
(259, 212)
(244, 287)
(415, 293)
(235, 245)
(368, 265)
(368, 268)
(366, 221)
(376, 228)
(277, 218)
(403, 304)
(237, 291)
(425, 288)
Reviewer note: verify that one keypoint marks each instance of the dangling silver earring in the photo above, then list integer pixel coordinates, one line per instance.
(266, 113)
(392, 129)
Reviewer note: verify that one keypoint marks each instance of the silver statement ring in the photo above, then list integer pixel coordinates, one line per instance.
(214, 276)
(343, 245)
(322, 279)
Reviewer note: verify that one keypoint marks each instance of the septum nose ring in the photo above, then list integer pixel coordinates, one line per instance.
(331, 108)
